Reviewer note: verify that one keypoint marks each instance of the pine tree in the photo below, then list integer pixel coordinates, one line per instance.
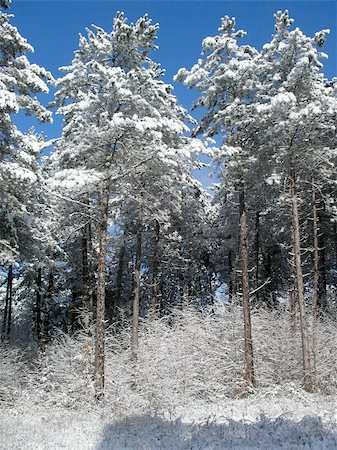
(121, 125)
(20, 81)
(225, 76)
(293, 97)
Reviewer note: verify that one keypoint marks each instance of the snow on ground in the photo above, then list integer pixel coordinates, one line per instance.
(257, 422)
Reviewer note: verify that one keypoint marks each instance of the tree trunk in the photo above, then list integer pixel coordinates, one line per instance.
(72, 313)
(256, 251)
(189, 285)
(293, 290)
(210, 287)
(48, 307)
(181, 290)
(300, 285)
(231, 276)
(136, 286)
(119, 280)
(162, 294)
(100, 314)
(87, 277)
(88, 292)
(335, 240)
(7, 319)
(292, 304)
(271, 302)
(249, 358)
(38, 304)
(315, 291)
(321, 294)
(155, 265)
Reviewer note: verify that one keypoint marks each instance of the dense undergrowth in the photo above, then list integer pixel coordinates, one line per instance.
(188, 357)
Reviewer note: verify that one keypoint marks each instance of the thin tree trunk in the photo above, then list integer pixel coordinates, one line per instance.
(248, 349)
(87, 277)
(321, 294)
(48, 307)
(72, 313)
(231, 276)
(162, 295)
(210, 287)
(198, 288)
(88, 290)
(256, 250)
(269, 275)
(100, 314)
(38, 304)
(7, 319)
(300, 285)
(189, 286)
(335, 241)
(136, 286)
(5, 316)
(293, 290)
(292, 304)
(315, 291)
(181, 289)
(155, 265)
(119, 280)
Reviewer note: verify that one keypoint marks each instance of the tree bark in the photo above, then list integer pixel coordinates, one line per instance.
(100, 314)
(7, 319)
(308, 382)
(155, 266)
(38, 304)
(248, 344)
(136, 286)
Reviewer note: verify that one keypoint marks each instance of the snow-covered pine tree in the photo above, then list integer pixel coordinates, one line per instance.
(25, 204)
(297, 111)
(99, 127)
(20, 81)
(225, 76)
(122, 130)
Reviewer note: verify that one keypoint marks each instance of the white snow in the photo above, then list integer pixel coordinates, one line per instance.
(8, 101)
(208, 43)
(283, 99)
(290, 423)
(189, 391)
(274, 178)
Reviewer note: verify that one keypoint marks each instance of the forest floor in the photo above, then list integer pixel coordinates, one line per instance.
(261, 421)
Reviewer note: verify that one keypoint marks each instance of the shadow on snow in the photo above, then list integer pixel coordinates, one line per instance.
(155, 433)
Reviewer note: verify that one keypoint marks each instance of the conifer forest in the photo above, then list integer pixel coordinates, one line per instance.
(133, 296)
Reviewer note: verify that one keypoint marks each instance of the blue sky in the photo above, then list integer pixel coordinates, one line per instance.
(53, 27)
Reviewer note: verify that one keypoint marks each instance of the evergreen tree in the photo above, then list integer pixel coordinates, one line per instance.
(20, 81)
(226, 77)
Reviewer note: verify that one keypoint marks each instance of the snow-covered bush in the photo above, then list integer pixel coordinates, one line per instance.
(199, 356)
(63, 374)
(188, 357)
(12, 375)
